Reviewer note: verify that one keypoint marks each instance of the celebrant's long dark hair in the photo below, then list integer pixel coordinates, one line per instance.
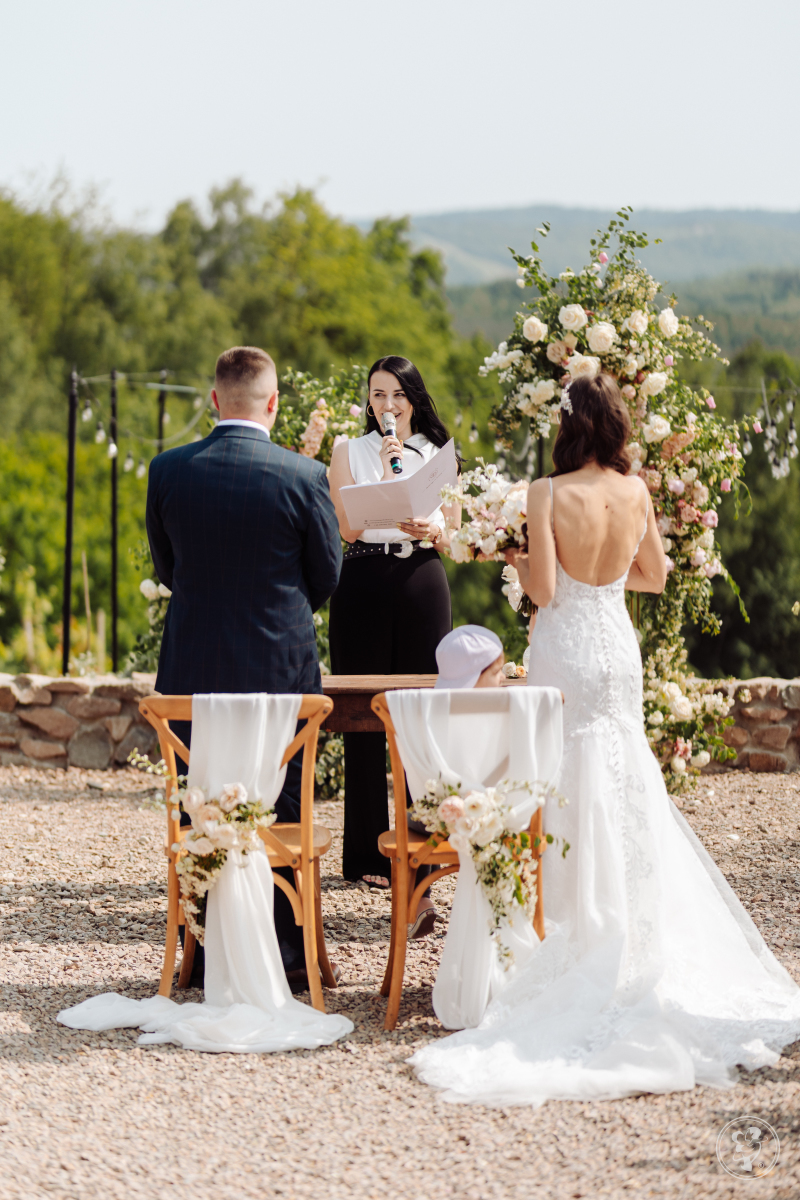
(424, 418)
(597, 428)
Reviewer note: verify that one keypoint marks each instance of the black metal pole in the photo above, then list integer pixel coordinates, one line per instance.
(114, 523)
(540, 458)
(66, 611)
(162, 404)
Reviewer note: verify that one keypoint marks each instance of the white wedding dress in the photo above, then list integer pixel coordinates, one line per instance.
(652, 977)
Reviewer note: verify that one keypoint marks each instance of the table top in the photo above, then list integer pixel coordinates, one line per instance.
(342, 685)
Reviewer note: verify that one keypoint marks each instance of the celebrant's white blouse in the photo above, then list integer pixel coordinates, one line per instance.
(366, 467)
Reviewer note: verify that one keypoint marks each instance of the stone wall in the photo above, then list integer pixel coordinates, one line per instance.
(84, 722)
(766, 732)
(95, 722)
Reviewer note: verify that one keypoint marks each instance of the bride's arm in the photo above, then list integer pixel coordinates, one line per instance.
(341, 476)
(648, 571)
(539, 580)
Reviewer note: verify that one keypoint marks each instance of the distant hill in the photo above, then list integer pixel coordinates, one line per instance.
(743, 305)
(696, 245)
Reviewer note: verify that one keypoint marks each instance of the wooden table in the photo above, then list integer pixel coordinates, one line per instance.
(352, 695)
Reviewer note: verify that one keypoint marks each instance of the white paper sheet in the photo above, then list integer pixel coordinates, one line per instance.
(408, 497)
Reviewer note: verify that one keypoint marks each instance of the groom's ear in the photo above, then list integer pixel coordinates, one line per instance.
(272, 403)
(214, 398)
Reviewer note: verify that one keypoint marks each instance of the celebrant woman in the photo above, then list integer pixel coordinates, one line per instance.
(392, 606)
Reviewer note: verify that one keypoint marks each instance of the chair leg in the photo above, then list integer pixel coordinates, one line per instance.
(401, 944)
(171, 944)
(306, 888)
(187, 962)
(387, 977)
(328, 977)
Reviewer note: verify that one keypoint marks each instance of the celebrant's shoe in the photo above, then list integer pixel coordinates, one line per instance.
(426, 919)
(298, 980)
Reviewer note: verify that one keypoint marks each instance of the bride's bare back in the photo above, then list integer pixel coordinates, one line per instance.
(600, 516)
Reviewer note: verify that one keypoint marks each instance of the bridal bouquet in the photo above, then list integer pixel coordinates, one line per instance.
(229, 822)
(504, 861)
(493, 521)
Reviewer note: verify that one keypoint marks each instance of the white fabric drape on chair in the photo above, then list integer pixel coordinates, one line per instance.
(248, 1005)
(476, 750)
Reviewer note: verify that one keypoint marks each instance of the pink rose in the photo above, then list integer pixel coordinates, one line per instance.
(321, 404)
(668, 360)
(711, 402)
(757, 427)
(676, 486)
(726, 485)
(451, 810)
(355, 411)
(689, 513)
(602, 257)
(628, 391)
(670, 564)
(709, 519)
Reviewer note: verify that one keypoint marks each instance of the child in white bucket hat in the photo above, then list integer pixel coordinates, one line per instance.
(470, 657)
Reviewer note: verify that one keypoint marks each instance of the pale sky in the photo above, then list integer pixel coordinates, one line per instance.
(417, 106)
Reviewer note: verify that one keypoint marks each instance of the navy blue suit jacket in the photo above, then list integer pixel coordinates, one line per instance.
(245, 535)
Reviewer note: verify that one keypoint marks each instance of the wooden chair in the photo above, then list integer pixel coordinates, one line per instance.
(299, 846)
(408, 850)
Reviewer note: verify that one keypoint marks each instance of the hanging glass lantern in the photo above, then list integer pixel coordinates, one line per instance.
(128, 464)
(112, 450)
(100, 434)
(141, 470)
(86, 415)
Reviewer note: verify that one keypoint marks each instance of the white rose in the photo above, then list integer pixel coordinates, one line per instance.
(698, 558)
(636, 322)
(201, 846)
(557, 351)
(534, 395)
(489, 827)
(572, 317)
(700, 494)
(231, 796)
(655, 718)
(570, 341)
(583, 366)
(706, 539)
(678, 765)
(668, 322)
(510, 670)
(653, 383)
(193, 799)
(666, 544)
(630, 366)
(701, 759)
(226, 837)
(149, 589)
(534, 329)
(601, 337)
(489, 545)
(681, 708)
(670, 691)
(656, 429)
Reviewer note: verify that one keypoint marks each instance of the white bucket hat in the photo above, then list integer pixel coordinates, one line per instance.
(464, 653)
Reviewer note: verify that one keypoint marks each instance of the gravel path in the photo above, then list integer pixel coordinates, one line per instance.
(82, 900)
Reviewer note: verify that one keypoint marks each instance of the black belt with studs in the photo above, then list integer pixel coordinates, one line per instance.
(362, 549)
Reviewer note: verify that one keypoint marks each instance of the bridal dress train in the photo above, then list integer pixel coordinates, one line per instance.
(248, 1007)
(651, 976)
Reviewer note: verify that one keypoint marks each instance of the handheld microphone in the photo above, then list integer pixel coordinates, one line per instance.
(390, 430)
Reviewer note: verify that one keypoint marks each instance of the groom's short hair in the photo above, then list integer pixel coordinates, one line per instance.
(239, 366)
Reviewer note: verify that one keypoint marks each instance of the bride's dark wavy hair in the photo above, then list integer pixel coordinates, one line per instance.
(424, 418)
(597, 429)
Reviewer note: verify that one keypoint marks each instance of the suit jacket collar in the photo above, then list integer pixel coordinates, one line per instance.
(240, 431)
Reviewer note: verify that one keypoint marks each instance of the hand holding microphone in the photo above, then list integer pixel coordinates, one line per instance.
(389, 422)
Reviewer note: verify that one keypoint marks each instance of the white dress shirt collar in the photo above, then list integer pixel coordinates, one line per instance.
(248, 424)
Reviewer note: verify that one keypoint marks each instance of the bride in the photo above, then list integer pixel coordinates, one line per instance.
(652, 977)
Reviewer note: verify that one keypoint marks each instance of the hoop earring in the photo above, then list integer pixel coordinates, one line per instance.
(370, 411)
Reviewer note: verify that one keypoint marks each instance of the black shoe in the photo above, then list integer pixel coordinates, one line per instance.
(298, 980)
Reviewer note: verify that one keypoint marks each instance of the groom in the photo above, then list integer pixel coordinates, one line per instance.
(245, 535)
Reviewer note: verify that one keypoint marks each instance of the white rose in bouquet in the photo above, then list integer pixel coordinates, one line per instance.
(534, 395)
(476, 806)
(201, 846)
(630, 366)
(656, 429)
(489, 829)
(231, 796)
(572, 317)
(534, 329)
(193, 799)
(653, 384)
(668, 322)
(681, 708)
(601, 337)
(701, 759)
(226, 837)
(583, 366)
(637, 322)
(678, 765)
(149, 589)
(557, 351)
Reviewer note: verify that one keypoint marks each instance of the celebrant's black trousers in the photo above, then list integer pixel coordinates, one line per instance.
(388, 615)
(287, 808)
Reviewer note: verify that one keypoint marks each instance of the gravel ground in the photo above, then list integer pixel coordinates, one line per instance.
(82, 900)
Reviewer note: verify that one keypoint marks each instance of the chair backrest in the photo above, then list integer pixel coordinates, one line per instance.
(160, 710)
(480, 717)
